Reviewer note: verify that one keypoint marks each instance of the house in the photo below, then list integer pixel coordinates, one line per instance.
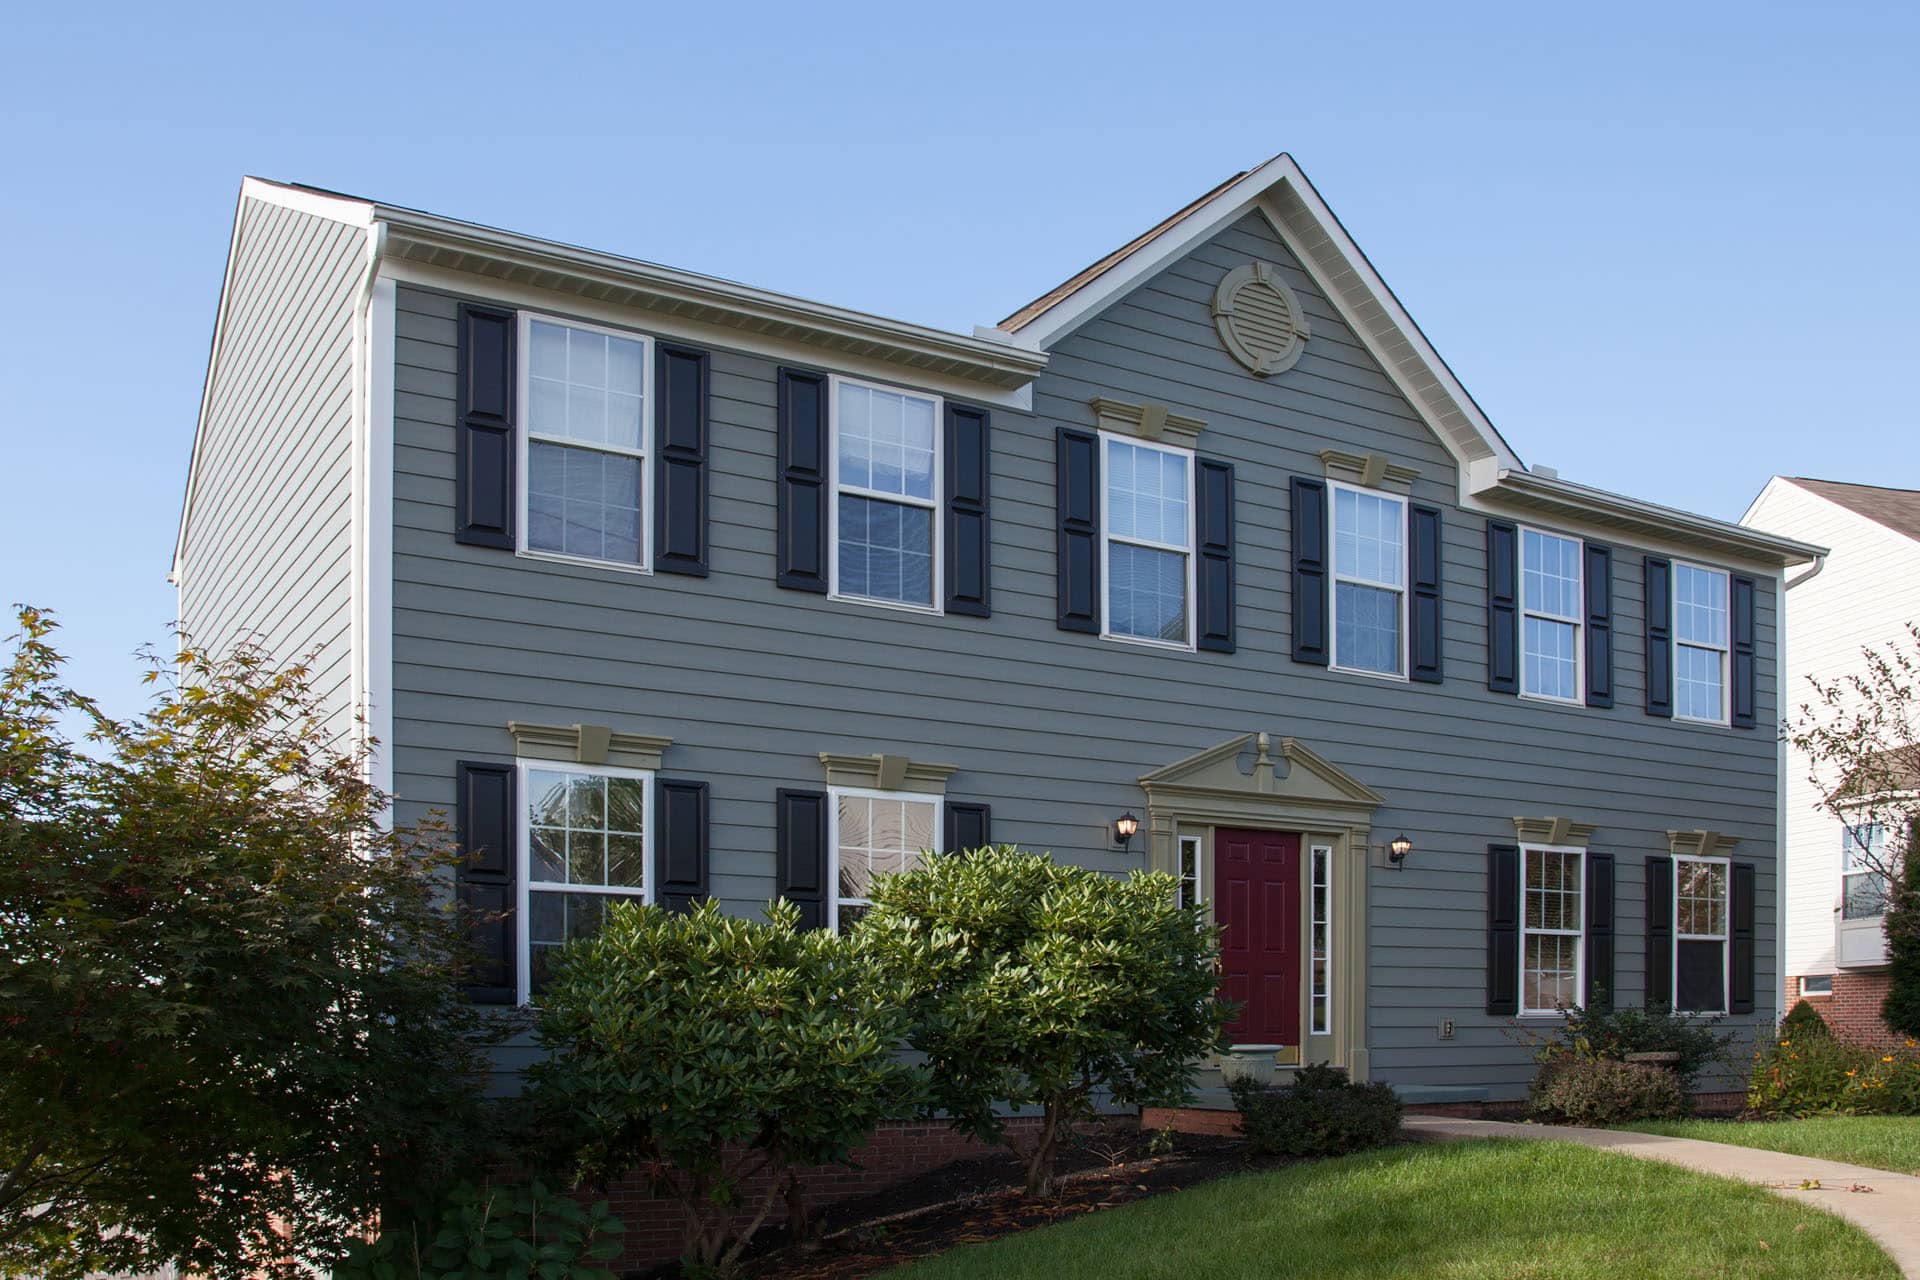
(1865, 594)
(666, 587)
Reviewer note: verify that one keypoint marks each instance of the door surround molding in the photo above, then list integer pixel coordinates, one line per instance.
(1292, 789)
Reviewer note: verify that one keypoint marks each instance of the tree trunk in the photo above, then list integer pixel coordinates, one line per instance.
(801, 1225)
(1040, 1179)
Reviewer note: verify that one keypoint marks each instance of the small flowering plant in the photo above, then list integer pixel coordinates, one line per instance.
(1818, 1075)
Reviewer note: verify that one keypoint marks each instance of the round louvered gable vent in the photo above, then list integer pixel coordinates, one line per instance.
(1259, 319)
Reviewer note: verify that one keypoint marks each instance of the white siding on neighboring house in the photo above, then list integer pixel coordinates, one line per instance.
(1866, 594)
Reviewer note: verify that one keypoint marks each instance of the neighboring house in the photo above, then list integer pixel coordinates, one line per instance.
(665, 586)
(1864, 594)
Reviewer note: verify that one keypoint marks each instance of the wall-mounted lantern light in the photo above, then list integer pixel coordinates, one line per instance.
(1124, 828)
(1398, 850)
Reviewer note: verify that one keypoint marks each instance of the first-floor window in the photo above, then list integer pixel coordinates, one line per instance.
(585, 834)
(1819, 984)
(1148, 499)
(1369, 581)
(1552, 928)
(876, 833)
(1189, 871)
(1320, 926)
(1863, 871)
(1699, 935)
(583, 396)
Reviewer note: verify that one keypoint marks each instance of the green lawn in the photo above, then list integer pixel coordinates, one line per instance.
(1502, 1210)
(1879, 1142)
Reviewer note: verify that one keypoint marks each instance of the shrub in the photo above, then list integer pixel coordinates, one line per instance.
(1901, 1008)
(1803, 1022)
(708, 1049)
(1822, 1075)
(1036, 984)
(1612, 1034)
(1599, 1092)
(480, 1232)
(1321, 1113)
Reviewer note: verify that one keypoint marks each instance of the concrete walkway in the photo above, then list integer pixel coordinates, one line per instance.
(1884, 1205)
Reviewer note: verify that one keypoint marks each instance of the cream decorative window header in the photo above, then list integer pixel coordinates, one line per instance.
(1147, 421)
(1555, 831)
(886, 773)
(1368, 470)
(1700, 844)
(587, 744)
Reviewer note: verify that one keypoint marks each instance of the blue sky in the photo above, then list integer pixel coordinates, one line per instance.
(1670, 249)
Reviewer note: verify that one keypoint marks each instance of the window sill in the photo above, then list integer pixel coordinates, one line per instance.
(898, 606)
(1394, 676)
(1143, 642)
(1706, 724)
(1552, 701)
(614, 566)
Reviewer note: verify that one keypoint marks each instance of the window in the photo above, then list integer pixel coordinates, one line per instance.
(1147, 513)
(1320, 924)
(886, 506)
(1550, 608)
(1699, 935)
(876, 833)
(1190, 871)
(1552, 928)
(1369, 581)
(1817, 985)
(1699, 643)
(585, 834)
(1863, 874)
(586, 488)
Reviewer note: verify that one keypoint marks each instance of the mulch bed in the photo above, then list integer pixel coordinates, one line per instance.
(975, 1200)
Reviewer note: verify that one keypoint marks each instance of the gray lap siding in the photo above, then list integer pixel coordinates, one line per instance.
(1052, 728)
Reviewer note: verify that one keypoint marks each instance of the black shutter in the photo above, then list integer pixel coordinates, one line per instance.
(681, 827)
(1503, 607)
(1214, 571)
(1742, 685)
(1742, 961)
(1311, 643)
(680, 503)
(1423, 562)
(1599, 580)
(1077, 512)
(1599, 993)
(483, 457)
(485, 828)
(800, 838)
(969, 552)
(801, 560)
(1503, 929)
(1659, 599)
(969, 827)
(1659, 933)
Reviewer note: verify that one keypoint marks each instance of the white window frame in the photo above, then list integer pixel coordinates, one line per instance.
(1848, 842)
(1578, 620)
(1805, 990)
(1725, 939)
(1335, 578)
(523, 438)
(1108, 538)
(834, 795)
(1320, 894)
(1198, 845)
(1578, 935)
(1725, 651)
(938, 605)
(523, 838)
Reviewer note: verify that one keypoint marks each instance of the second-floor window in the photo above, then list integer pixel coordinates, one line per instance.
(1699, 643)
(1699, 935)
(1148, 508)
(886, 510)
(1369, 581)
(585, 486)
(1863, 876)
(1550, 605)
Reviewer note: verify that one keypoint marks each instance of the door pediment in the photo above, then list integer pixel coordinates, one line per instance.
(1285, 780)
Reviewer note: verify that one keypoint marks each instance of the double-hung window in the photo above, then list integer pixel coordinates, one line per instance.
(1550, 607)
(1699, 643)
(875, 833)
(886, 505)
(586, 488)
(1863, 871)
(585, 835)
(1147, 513)
(1552, 928)
(1700, 935)
(1369, 581)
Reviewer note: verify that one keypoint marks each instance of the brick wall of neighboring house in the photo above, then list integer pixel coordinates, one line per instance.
(898, 1152)
(1853, 1010)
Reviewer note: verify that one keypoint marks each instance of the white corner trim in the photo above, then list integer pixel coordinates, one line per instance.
(376, 692)
(321, 204)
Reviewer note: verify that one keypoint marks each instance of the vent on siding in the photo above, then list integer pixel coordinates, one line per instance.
(1259, 319)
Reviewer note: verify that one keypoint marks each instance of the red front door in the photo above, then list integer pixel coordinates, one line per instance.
(1256, 898)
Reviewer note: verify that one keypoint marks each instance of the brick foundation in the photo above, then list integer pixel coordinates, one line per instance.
(897, 1152)
(1853, 1010)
